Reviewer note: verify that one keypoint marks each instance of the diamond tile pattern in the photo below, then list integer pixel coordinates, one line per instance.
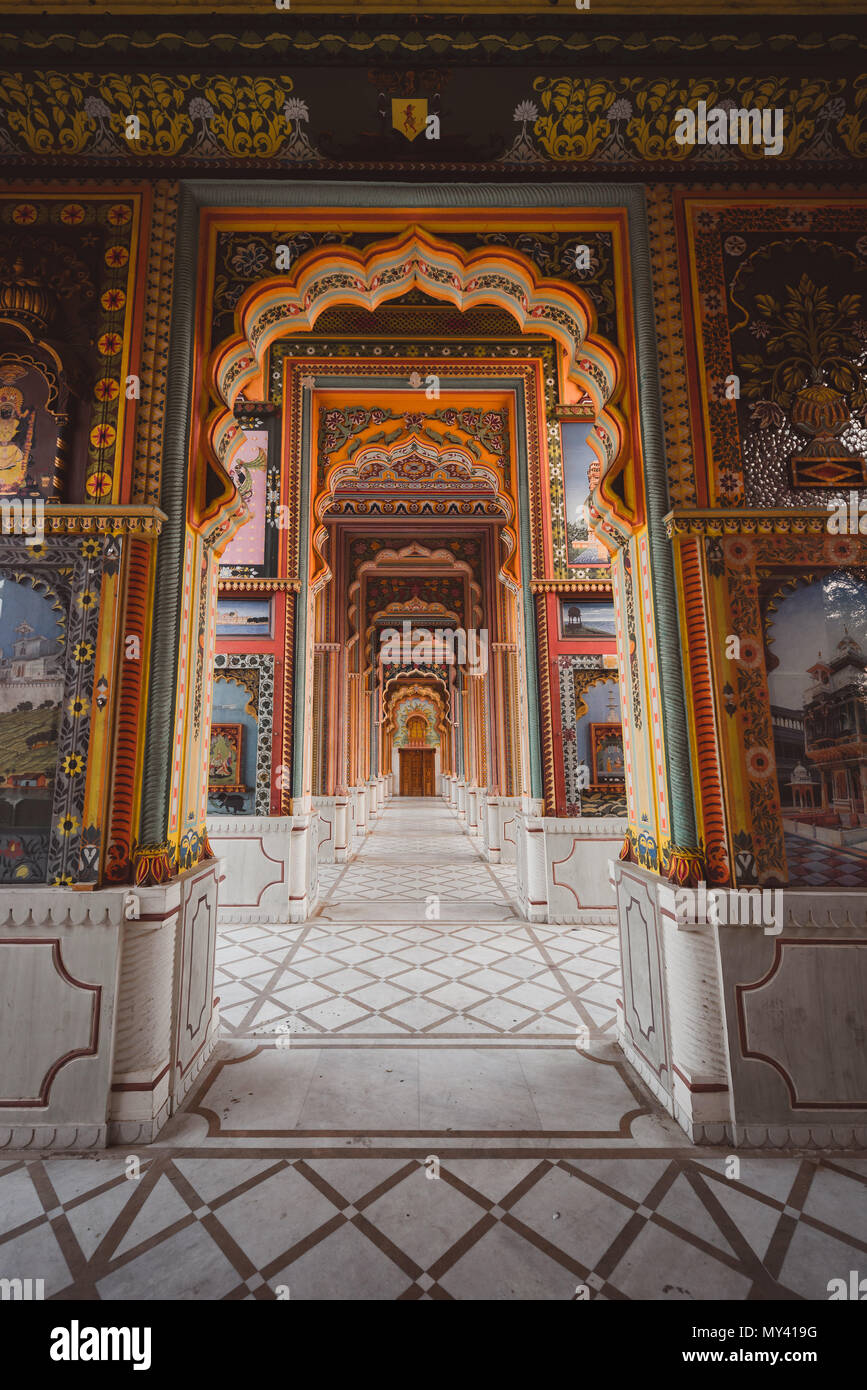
(211, 1227)
(409, 971)
(399, 1111)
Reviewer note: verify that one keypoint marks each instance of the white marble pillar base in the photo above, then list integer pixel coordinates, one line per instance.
(110, 1011)
(269, 866)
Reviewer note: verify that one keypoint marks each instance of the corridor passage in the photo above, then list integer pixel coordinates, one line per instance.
(416, 863)
(407, 1106)
(418, 940)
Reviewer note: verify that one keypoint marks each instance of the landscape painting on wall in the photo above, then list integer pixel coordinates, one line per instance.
(817, 680)
(32, 631)
(580, 618)
(245, 617)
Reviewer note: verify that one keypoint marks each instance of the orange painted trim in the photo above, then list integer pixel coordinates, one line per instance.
(133, 337)
(702, 716)
(128, 729)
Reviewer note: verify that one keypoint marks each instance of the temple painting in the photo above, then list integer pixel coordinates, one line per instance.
(817, 680)
(606, 741)
(31, 688)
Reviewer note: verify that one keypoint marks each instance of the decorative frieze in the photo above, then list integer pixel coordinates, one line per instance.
(143, 522)
(717, 521)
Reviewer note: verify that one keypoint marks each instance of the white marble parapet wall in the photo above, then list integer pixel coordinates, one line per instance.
(562, 863)
(269, 866)
(326, 809)
(531, 868)
(577, 851)
(168, 1020)
(748, 1029)
(341, 837)
(27, 907)
(59, 962)
(121, 981)
(340, 830)
(497, 826)
(670, 1015)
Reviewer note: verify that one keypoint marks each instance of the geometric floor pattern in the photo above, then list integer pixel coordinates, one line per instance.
(426, 980)
(418, 1095)
(253, 1227)
(811, 862)
(371, 966)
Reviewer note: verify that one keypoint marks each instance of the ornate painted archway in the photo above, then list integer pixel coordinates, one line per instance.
(292, 303)
(593, 378)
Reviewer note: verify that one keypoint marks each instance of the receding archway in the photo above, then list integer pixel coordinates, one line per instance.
(502, 276)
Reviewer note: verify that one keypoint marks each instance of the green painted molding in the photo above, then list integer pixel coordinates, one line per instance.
(681, 794)
(195, 194)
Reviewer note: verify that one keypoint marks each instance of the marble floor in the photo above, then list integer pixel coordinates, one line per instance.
(418, 1095)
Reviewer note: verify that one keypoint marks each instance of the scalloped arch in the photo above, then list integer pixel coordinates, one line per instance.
(332, 275)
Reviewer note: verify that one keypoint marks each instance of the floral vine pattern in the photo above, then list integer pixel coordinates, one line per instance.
(205, 116)
(631, 120)
(567, 120)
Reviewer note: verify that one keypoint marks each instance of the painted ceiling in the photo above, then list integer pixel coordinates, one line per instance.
(420, 8)
(516, 89)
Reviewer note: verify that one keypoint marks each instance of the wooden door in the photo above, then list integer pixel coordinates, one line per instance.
(428, 772)
(417, 771)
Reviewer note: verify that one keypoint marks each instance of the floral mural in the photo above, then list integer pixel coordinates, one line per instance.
(413, 710)
(781, 327)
